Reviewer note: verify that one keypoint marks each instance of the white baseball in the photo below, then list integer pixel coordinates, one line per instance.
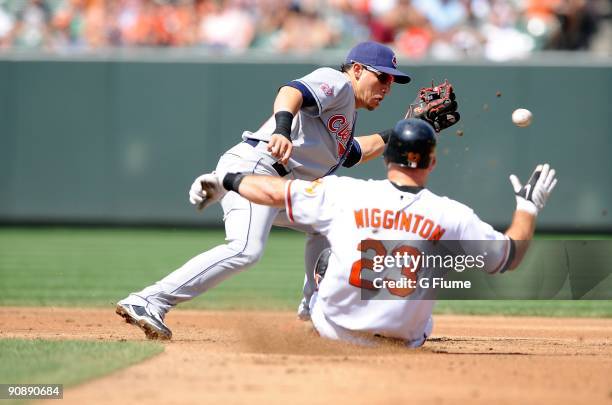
(521, 117)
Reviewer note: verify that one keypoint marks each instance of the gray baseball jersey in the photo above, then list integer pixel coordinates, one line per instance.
(323, 132)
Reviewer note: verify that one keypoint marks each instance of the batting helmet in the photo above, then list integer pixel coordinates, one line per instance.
(411, 144)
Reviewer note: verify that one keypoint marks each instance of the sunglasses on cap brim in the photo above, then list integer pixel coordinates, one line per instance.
(384, 78)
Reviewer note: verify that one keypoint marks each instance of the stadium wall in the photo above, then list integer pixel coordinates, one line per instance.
(118, 140)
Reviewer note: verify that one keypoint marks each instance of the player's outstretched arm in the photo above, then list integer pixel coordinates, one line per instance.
(209, 188)
(257, 188)
(530, 199)
(372, 146)
(287, 103)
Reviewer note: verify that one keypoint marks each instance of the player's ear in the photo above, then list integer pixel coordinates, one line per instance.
(357, 70)
(433, 162)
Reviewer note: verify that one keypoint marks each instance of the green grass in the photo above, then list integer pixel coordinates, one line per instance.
(82, 267)
(67, 362)
(97, 267)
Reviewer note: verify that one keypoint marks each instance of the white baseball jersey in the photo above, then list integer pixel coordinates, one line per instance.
(320, 133)
(348, 211)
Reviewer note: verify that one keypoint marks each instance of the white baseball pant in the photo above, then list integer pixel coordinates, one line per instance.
(330, 330)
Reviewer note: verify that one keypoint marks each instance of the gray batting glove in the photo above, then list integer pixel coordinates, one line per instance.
(206, 190)
(532, 196)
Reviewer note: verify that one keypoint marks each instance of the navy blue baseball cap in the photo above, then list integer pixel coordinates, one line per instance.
(380, 57)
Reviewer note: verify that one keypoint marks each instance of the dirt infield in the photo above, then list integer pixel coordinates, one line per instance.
(270, 357)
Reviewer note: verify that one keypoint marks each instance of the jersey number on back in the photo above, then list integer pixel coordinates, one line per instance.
(364, 264)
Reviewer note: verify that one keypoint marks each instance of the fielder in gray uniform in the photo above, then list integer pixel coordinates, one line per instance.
(309, 136)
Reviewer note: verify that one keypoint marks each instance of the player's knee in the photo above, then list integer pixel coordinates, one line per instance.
(246, 255)
(249, 258)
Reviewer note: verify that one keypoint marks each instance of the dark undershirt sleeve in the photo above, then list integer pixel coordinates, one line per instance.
(354, 155)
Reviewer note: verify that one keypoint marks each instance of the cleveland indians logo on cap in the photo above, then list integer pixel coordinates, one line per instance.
(394, 61)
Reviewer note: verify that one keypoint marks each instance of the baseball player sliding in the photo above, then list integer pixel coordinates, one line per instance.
(357, 215)
(308, 137)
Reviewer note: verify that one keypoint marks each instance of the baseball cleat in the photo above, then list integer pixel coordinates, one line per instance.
(152, 325)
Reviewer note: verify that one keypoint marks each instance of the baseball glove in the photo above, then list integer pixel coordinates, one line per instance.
(436, 105)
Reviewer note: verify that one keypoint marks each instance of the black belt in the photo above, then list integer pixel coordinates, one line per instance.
(280, 169)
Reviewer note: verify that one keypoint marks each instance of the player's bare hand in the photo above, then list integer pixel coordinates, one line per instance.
(280, 147)
(206, 190)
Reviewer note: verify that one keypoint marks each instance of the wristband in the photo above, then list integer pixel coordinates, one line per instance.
(386, 134)
(232, 181)
(511, 255)
(283, 123)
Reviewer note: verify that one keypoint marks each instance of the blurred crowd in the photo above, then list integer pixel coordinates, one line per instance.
(443, 29)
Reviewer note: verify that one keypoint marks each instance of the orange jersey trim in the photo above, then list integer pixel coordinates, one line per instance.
(288, 201)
